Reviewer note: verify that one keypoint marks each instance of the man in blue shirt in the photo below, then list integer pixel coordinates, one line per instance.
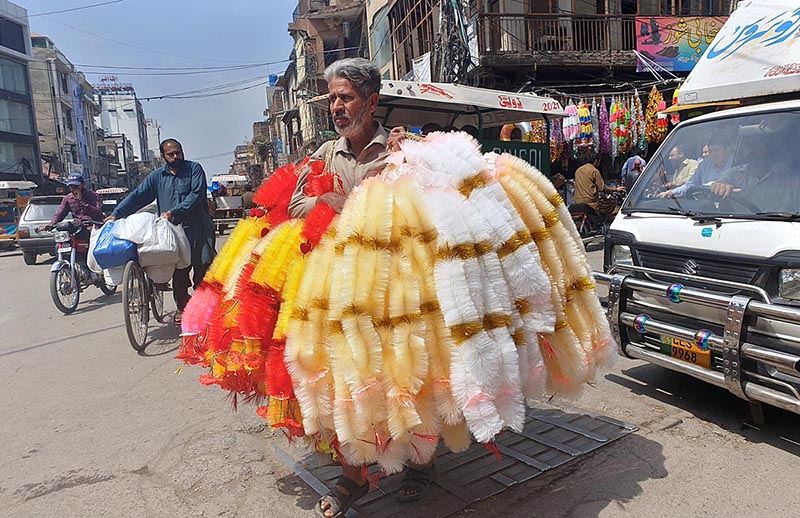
(179, 190)
(631, 170)
(710, 169)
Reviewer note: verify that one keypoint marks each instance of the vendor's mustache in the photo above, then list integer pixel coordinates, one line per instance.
(341, 114)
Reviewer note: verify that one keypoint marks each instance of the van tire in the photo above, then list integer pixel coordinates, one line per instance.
(29, 258)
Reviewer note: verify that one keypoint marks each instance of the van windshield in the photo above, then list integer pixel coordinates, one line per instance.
(743, 166)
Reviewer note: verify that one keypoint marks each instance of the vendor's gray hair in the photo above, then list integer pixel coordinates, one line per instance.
(364, 74)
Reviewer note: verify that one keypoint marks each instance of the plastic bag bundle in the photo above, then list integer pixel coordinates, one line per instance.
(110, 250)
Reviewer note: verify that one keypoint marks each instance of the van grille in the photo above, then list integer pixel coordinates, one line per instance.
(714, 269)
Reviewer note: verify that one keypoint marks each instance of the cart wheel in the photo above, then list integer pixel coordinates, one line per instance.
(135, 305)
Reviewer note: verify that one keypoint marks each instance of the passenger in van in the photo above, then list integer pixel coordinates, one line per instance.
(770, 180)
(718, 160)
(684, 167)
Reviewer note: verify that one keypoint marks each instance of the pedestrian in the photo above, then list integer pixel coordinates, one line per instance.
(359, 153)
(247, 198)
(635, 164)
(84, 204)
(179, 190)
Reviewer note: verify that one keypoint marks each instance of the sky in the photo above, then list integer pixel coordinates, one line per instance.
(205, 33)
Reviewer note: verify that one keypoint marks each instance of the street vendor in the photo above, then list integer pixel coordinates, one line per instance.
(179, 189)
(359, 153)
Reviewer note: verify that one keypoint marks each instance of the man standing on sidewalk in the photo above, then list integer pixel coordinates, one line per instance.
(179, 190)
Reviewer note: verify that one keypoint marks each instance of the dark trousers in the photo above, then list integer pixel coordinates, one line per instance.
(181, 283)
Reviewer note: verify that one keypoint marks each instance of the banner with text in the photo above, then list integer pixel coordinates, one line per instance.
(675, 42)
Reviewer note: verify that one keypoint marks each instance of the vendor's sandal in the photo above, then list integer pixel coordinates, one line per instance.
(416, 482)
(340, 502)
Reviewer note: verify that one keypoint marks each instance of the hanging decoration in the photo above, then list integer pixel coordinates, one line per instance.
(604, 129)
(556, 140)
(595, 126)
(451, 288)
(655, 123)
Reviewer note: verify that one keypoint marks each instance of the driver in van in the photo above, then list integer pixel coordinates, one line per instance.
(769, 181)
(718, 161)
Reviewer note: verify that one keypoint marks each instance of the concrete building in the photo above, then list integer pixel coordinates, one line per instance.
(65, 112)
(323, 31)
(153, 141)
(19, 144)
(118, 151)
(121, 113)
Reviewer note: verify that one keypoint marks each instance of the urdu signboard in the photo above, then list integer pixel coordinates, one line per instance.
(675, 43)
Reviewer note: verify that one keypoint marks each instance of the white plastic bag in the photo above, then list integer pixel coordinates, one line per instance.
(90, 260)
(184, 248)
(114, 275)
(162, 247)
(137, 228)
(160, 274)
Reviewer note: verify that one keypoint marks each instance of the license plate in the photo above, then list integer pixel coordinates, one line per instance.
(65, 248)
(685, 351)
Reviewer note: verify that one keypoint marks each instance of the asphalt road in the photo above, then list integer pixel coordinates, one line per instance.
(90, 428)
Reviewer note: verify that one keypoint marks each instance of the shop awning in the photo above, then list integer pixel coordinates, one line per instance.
(686, 107)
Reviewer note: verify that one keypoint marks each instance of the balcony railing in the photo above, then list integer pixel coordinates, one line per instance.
(529, 34)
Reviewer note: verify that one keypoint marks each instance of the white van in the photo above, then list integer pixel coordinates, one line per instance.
(704, 278)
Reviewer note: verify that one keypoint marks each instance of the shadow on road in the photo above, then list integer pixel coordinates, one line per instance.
(60, 339)
(609, 476)
(713, 404)
(162, 338)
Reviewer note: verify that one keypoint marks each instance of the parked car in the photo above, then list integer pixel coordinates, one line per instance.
(32, 241)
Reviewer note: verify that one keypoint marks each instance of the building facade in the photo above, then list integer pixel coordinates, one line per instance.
(121, 113)
(19, 143)
(118, 153)
(153, 141)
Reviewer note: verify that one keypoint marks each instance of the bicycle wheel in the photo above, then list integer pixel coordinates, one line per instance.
(134, 304)
(64, 289)
(156, 302)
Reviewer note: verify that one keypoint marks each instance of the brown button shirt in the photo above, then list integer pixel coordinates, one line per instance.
(588, 184)
(351, 169)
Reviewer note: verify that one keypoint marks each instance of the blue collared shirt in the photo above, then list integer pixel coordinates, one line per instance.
(706, 173)
(184, 195)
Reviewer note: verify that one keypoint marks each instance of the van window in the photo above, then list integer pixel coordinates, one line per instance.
(753, 157)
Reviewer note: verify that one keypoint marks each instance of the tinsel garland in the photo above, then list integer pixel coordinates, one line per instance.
(595, 125)
(604, 128)
(655, 129)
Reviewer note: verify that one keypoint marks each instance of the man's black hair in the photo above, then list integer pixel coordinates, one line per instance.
(169, 141)
(591, 157)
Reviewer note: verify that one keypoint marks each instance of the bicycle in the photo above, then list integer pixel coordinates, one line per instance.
(140, 296)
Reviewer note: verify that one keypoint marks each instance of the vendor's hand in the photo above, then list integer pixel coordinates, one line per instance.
(333, 200)
(396, 136)
(723, 189)
(110, 218)
(167, 215)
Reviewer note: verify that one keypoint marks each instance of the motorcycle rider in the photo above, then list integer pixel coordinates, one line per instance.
(84, 204)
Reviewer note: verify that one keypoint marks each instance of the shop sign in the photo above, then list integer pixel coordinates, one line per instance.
(675, 43)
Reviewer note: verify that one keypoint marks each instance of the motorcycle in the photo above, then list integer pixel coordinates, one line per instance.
(70, 275)
(591, 225)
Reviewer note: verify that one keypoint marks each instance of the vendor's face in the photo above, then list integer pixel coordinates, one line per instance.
(350, 111)
(173, 154)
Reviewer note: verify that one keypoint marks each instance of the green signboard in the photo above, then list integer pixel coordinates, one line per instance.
(537, 155)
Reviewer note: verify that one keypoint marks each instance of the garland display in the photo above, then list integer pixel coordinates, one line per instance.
(451, 287)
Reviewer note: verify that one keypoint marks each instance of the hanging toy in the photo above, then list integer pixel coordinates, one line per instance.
(675, 118)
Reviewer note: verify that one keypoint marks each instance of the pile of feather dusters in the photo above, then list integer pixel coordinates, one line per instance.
(451, 288)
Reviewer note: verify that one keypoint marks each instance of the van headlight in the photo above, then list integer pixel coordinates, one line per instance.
(621, 254)
(789, 283)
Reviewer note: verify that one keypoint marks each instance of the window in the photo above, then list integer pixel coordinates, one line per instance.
(12, 36)
(68, 120)
(380, 46)
(64, 85)
(15, 117)
(13, 77)
(11, 156)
